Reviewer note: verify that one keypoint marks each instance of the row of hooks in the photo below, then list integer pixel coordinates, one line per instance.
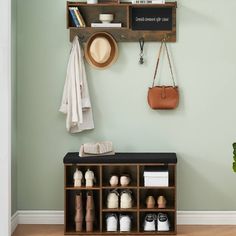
(142, 39)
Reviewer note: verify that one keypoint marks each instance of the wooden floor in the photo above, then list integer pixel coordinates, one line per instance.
(57, 230)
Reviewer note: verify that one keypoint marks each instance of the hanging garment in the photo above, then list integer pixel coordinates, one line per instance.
(75, 100)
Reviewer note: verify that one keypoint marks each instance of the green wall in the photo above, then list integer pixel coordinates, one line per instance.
(201, 130)
(13, 133)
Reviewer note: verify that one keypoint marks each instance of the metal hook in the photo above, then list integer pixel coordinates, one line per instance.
(141, 44)
(81, 38)
(141, 40)
(165, 38)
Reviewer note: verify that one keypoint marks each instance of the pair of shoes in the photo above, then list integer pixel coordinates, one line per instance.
(161, 202)
(112, 223)
(78, 177)
(125, 199)
(124, 180)
(153, 222)
(90, 212)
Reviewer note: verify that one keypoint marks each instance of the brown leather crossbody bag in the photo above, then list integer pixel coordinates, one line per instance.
(163, 97)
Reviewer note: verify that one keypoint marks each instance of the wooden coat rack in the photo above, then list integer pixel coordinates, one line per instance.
(153, 22)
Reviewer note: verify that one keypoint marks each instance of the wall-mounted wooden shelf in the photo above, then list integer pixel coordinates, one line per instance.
(122, 14)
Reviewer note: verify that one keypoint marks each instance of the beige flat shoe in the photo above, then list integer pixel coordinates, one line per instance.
(114, 180)
(125, 180)
(161, 202)
(150, 202)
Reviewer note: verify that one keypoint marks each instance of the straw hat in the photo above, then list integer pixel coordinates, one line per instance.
(101, 50)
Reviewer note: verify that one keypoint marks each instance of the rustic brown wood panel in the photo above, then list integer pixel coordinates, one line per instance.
(101, 189)
(124, 35)
(122, 13)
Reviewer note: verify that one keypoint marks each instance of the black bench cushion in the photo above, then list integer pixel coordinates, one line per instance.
(166, 158)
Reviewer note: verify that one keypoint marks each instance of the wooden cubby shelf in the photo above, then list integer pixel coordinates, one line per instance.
(123, 13)
(82, 188)
(119, 187)
(103, 167)
(119, 210)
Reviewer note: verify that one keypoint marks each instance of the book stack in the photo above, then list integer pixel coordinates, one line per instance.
(106, 25)
(76, 18)
(156, 1)
(148, 1)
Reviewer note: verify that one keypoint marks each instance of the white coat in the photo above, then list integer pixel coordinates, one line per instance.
(75, 100)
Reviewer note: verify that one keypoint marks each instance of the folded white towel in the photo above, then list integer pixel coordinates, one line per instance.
(91, 148)
(96, 149)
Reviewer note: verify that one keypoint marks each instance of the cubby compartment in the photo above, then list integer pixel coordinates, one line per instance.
(157, 167)
(69, 175)
(90, 13)
(134, 222)
(70, 211)
(172, 223)
(168, 193)
(105, 193)
(119, 170)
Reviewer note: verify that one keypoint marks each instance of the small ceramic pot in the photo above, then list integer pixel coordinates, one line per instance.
(106, 18)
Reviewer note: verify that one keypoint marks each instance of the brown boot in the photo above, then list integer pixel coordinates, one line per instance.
(89, 218)
(78, 212)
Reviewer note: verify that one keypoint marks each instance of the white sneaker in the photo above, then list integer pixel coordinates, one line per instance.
(163, 222)
(113, 199)
(112, 222)
(125, 223)
(126, 199)
(89, 177)
(150, 222)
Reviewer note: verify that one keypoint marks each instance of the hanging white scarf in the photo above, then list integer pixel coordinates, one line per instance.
(75, 100)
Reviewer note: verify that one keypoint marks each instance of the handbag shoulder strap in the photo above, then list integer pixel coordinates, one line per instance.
(158, 61)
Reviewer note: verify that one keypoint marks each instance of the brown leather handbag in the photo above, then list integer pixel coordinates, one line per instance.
(163, 97)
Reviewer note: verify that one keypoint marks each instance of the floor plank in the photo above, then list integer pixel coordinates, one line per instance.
(190, 230)
(39, 230)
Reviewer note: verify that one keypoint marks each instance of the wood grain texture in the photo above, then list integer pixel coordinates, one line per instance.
(103, 172)
(57, 230)
(122, 13)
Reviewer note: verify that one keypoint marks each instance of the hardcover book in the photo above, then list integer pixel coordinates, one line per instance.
(74, 19)
(106, 25)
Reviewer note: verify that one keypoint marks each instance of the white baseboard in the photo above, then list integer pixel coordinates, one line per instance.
(14, 222)
(41, 217)
(206, 218)
(183, 218)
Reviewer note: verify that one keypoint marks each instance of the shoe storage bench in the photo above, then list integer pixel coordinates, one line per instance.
(133, 164)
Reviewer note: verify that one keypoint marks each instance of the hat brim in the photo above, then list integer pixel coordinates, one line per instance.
(113, 55)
